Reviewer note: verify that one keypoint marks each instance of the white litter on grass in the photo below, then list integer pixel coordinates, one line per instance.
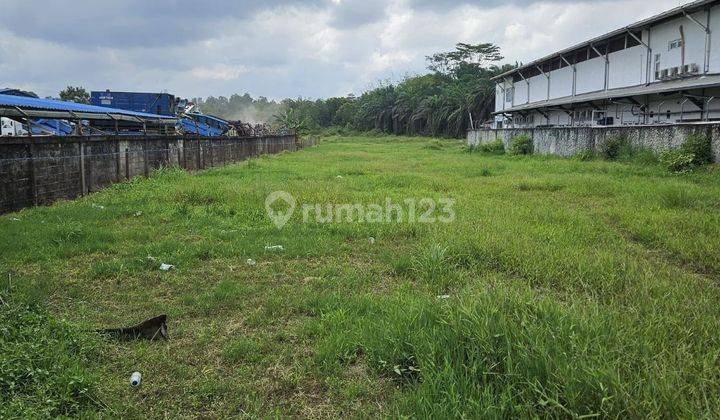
(443, 297)
(15, 219)
(166, 267)
(251, 262)
(274, 248)
(339, 177)
(135, 379)
(97, 206)
(138, 214)
(371, 240)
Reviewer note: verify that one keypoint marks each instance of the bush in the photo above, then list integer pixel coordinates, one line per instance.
(696, 151)
(495, 147)
(677, 160)
(699, 147)
(644, 156)
(521, 145)
(614, 146)
(585, 156)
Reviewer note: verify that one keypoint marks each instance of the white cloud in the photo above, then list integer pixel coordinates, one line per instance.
(279, 48)
(218, 72)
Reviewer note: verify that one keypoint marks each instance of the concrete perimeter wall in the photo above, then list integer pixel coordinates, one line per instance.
(40, 170)
(569, 141)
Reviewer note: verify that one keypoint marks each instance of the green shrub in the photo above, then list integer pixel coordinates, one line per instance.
(643, 156)
(699, 147)
(521, 145)
(614, 146)
(677, 160)
(495, 147)
(585, 156)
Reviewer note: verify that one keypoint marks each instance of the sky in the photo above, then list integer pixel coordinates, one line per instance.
(277, 48)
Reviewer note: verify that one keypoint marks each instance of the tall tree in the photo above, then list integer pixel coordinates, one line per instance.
(75, 94)
(475, 56)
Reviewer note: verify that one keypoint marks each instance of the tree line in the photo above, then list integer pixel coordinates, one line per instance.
(455, 94)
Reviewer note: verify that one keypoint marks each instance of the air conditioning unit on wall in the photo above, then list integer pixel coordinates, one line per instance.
(677, 72)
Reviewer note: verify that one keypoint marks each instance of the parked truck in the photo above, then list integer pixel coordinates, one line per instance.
(11, 127)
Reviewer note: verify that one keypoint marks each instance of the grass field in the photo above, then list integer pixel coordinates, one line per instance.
(563, 288)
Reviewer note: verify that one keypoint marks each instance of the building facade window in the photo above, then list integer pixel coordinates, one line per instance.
(677, 43)
(509, 94)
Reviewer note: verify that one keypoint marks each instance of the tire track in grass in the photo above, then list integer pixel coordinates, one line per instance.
(659, 253)
(649, 249)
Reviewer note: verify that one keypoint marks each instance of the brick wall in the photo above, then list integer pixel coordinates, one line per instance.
(568, 141)
(40, 170)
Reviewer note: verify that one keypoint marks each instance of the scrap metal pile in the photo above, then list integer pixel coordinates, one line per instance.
(241, 129)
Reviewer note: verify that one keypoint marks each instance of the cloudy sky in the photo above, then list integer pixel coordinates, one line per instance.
(276, 48)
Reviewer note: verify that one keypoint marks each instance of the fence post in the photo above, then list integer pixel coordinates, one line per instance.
(145, 157)
(127, 164)
(90, 175)
(31, 175)
(184, 154)
(83, 184)
(117, 157)
(212, 159)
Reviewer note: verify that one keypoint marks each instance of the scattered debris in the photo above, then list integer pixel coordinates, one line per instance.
(151, 258)
(138, 214)
(151, 329)
(166, 267)
(443, 297)
(339, 177)
(251, 262)
(274, 248)
(97, 206)
(15, 219)
(242, 129)
(371, 240)
(135, 379)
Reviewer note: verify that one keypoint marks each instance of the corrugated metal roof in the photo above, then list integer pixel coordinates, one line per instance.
(660, 87)
(23, 102)
(677, 11)
(210, 117)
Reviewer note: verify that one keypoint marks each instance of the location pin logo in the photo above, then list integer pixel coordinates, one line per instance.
(278, 217)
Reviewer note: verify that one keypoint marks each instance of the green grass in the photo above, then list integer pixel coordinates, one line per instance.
(564, 288)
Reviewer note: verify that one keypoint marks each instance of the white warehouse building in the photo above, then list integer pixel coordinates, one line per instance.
(662, 70)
